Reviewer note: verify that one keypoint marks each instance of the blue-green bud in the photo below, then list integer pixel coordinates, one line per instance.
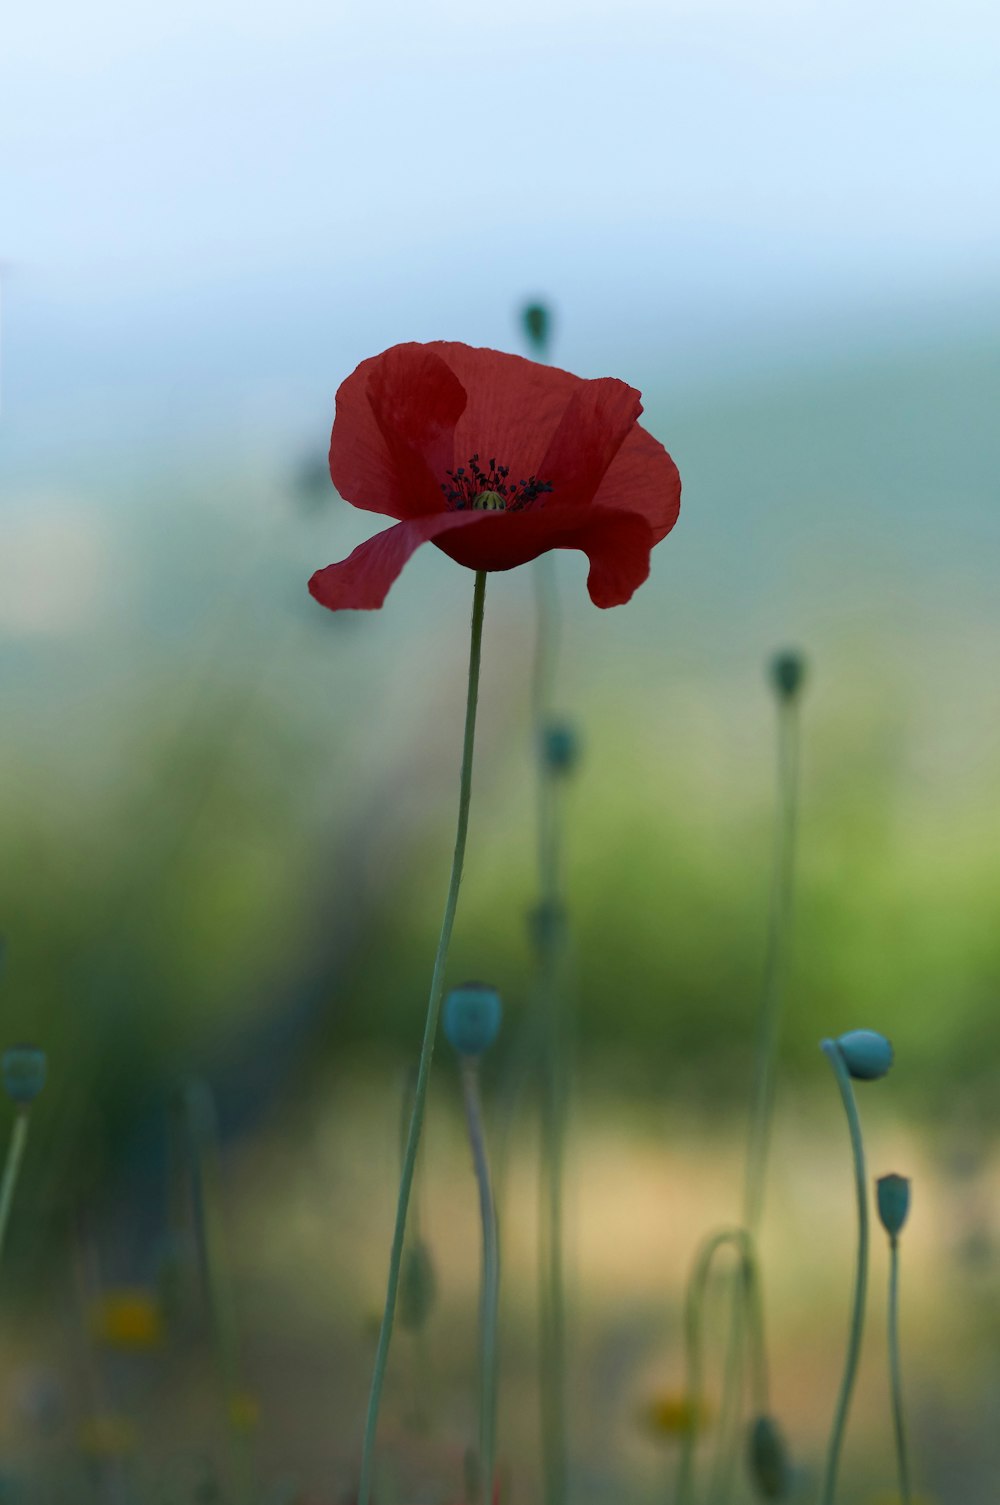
(417, 1286)
(472, 1017)
(892, 1194)
(788, 671)
(867, 1054)
(768, 1459)
(24, 1070)
(536, 319)
(560, 747)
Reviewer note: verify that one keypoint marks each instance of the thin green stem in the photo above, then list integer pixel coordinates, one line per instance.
(206, 1193)
(12, 1166)
(427, 1046)
(896, 1375)
(489, 1303)
(775, 964)
(746, 1289)
(765, 1065)
(856, 1329)
(554, 1045)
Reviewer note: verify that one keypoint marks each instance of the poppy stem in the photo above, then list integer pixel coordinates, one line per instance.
(765, 1064)
(832, 1051)
(427, 1046)
(551, 940)
(896, 1374)
(489, 1300)
(12, 1166)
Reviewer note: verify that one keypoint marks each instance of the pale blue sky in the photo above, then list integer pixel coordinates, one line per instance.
(222, 203)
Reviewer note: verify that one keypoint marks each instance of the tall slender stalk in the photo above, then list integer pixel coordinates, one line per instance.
(896, 1375)
(427, 1045)
(769, 1017)
(12, 1166)
(835, 1447)
(490, 1291)
(554, 1045)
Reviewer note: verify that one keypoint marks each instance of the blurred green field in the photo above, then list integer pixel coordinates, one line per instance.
(226, 820)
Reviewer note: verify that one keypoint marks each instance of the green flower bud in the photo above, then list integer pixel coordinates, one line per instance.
(417, 1286)
(768, 1459)
(788, 672)
(867, 1054)
(892, 1194)
(560, 747)
(24, 1070)
(536, 319)
(472, 1017)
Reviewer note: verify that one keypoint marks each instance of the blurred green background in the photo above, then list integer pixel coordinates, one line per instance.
(226, 816)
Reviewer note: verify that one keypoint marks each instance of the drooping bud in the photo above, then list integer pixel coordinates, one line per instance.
(867, 1054)
(788, 672)
(560, 746)
(24, 1070)
(892, 1195)
(768, 1459)
(537, 319)
(417, 1286)
(472, 1017)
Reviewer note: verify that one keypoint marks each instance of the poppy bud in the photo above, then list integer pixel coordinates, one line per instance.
(768, 1459)
(417, 1286)
(560, 747)
(536, 319)
(867, 1054)
(24, 1069)
(472, 1017)
(788, 671)
(892, 1194)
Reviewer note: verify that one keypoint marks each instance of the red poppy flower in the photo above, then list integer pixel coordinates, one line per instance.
(495, 459)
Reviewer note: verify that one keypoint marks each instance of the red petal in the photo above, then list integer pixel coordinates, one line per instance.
(362, 580)
(597, 420)
(642, 478)
(514, 406)
(393, 434)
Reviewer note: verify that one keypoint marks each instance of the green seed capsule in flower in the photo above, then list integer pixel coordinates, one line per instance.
(24, 1070)
(472, 1017)
(892, 1195)
(867, 1054)
(788, 672)
(489, 501)
(417, 1286)
(560, 747)
(768, 1459)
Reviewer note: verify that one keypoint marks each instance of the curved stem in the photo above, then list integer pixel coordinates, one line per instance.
(749, 1287)
(896, 1375)
(490, 1292)
(427, 1046)
(860, 1278)
(12, 1165)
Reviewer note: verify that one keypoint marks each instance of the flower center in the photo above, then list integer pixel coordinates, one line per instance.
(471, 487)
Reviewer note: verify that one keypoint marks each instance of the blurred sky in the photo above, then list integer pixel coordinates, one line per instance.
(218, 208)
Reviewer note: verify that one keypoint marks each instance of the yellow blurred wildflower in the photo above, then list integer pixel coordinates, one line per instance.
(106, 1436)
(669, 1413)
(126, 1319)
(244, 1411)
